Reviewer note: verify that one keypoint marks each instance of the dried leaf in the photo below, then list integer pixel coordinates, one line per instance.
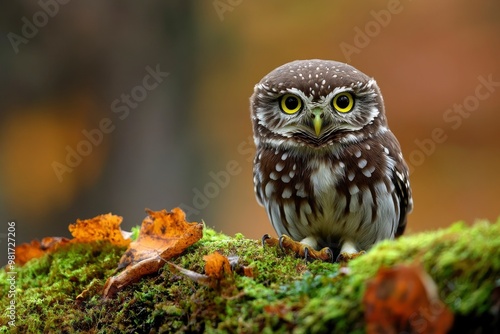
(36, 249)
(49, 244)
(28, 251)
(249, 271)
(404, 298)
(103, 227)
(217, 265)
(131, 274)
(163, 235)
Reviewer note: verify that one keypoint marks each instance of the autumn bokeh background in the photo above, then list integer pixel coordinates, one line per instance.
(76, 68)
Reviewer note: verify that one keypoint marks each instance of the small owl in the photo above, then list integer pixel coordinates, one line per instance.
(327, 169)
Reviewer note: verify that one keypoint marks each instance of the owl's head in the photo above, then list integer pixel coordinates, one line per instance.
(316, 103)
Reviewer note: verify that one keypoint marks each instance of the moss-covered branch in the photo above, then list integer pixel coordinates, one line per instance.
(61, 292)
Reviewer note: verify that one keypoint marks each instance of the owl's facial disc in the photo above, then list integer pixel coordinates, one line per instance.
(316, 103)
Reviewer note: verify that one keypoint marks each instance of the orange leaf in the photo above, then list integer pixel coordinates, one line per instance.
(103, 227)
(163, 235)
(36, 249)
(404, 298)
(249, 271)
(216, 265)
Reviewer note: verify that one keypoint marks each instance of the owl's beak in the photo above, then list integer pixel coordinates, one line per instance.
(317, 116)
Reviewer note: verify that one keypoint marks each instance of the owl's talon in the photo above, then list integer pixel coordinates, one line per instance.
(287, 244)
(264, 238)
(268, 240)
(282, 240)
(306, 253)
(324, 254)
(303, 250)
(330, 254)
(345, 257)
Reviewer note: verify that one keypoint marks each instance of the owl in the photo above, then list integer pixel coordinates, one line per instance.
(328, 170)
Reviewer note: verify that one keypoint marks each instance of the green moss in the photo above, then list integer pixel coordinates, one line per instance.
(46, 288)
(285, 294)
(135, 232)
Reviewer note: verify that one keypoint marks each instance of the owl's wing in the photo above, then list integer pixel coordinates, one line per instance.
(257, 180)
(403, 192)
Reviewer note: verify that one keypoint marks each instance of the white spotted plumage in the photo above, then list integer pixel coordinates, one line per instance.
(342, 183)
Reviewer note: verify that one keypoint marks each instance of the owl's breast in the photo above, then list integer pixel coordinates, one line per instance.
(328, 195)
(298, 192)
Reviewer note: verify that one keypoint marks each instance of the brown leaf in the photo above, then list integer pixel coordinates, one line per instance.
(163, 235)
(28, 251)
(217, 265)
(404, 299)
(36, 249)
(131, 274)
(249, 271)
(103, 227)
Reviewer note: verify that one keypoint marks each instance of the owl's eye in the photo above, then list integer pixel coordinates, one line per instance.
(290, 104)
(343, 102)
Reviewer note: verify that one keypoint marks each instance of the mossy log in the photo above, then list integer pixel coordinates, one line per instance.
(62, 291)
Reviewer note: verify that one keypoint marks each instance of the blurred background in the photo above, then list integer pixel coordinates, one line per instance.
(118, 106)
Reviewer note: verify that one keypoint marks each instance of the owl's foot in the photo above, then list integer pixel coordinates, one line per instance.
(288, 245)
(348, 252)
(267, 240)
(346, 257)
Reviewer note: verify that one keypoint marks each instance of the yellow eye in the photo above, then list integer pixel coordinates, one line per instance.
(290, 104)
(343, 102)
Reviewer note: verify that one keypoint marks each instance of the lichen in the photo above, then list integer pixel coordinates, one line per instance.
(284, 295)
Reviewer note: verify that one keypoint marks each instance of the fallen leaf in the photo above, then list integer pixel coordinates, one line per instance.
(404, 299)
(36, 249)
(28, 251)
(163, 235)
(103, 227)
(217, 265)
(51, 243)
(249, 272)
(130, 275)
